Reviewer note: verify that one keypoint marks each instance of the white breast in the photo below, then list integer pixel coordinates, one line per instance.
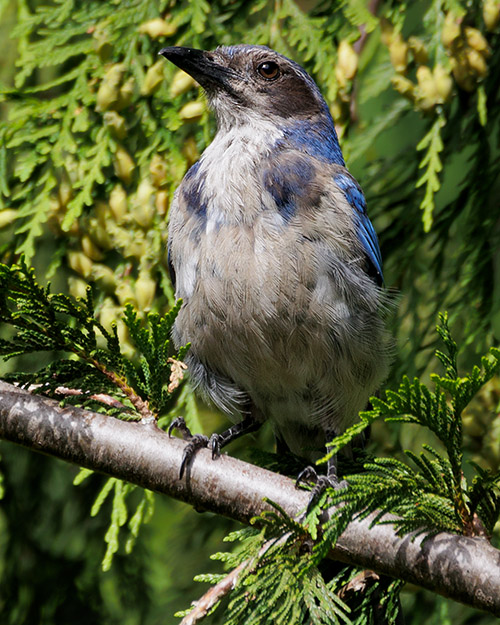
(230, 167)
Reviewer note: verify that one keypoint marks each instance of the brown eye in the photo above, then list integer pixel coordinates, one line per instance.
(269, 70)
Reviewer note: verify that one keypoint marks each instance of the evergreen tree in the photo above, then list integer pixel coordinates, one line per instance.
(96, 132)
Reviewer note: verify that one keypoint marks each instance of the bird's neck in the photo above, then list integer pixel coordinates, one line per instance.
(230, 168)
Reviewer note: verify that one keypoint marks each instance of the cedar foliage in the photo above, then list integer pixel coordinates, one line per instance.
(95, 136)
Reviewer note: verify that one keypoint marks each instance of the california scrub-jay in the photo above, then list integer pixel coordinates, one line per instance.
(275, 259)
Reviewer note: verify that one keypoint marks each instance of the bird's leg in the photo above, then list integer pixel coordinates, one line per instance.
(321, 482)
(216, 442)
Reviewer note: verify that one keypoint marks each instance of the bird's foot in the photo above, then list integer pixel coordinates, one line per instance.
(179, 424)
(319, 484)
(195, 442)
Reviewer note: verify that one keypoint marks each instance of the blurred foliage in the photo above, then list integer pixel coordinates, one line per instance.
(95, 135)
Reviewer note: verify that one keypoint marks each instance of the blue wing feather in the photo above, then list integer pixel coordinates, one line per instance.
(366, 231)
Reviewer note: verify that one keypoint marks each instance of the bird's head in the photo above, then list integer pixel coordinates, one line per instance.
(245, 81)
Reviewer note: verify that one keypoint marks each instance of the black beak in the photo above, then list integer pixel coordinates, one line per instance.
(199, 64)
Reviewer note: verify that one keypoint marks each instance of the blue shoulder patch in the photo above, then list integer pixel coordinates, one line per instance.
(191, 187)
(366, 231)
(316, 137)
(287, 181)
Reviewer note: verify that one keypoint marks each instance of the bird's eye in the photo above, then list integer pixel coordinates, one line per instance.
(269, 70)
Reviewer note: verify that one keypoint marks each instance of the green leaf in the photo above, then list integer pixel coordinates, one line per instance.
(102, 496)
(432, 164)
(359, 14)
(83, 474)
(481, 106)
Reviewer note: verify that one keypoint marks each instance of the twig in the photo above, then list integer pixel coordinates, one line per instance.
(213, 595)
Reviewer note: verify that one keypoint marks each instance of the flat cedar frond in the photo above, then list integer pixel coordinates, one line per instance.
(284, 587)
(350, 435)
(484, 496)
(448, 360)
(280, 517)
(432, 165)
(281, 582)
(437, 474)
(42, 321)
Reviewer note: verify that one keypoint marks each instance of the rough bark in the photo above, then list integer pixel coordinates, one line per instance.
(462, 568)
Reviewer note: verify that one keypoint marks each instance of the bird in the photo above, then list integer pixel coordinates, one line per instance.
(277, 264)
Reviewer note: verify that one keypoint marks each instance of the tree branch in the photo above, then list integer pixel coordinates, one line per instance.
(462, 568)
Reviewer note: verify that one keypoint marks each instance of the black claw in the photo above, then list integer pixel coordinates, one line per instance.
(184, 462)
(179, 424)
(216, 441)
(214, 444)
(196, 442)
(322, 483)
(306, 475)
(319, 484)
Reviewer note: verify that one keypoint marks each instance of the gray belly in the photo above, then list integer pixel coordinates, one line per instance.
(279, 330)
